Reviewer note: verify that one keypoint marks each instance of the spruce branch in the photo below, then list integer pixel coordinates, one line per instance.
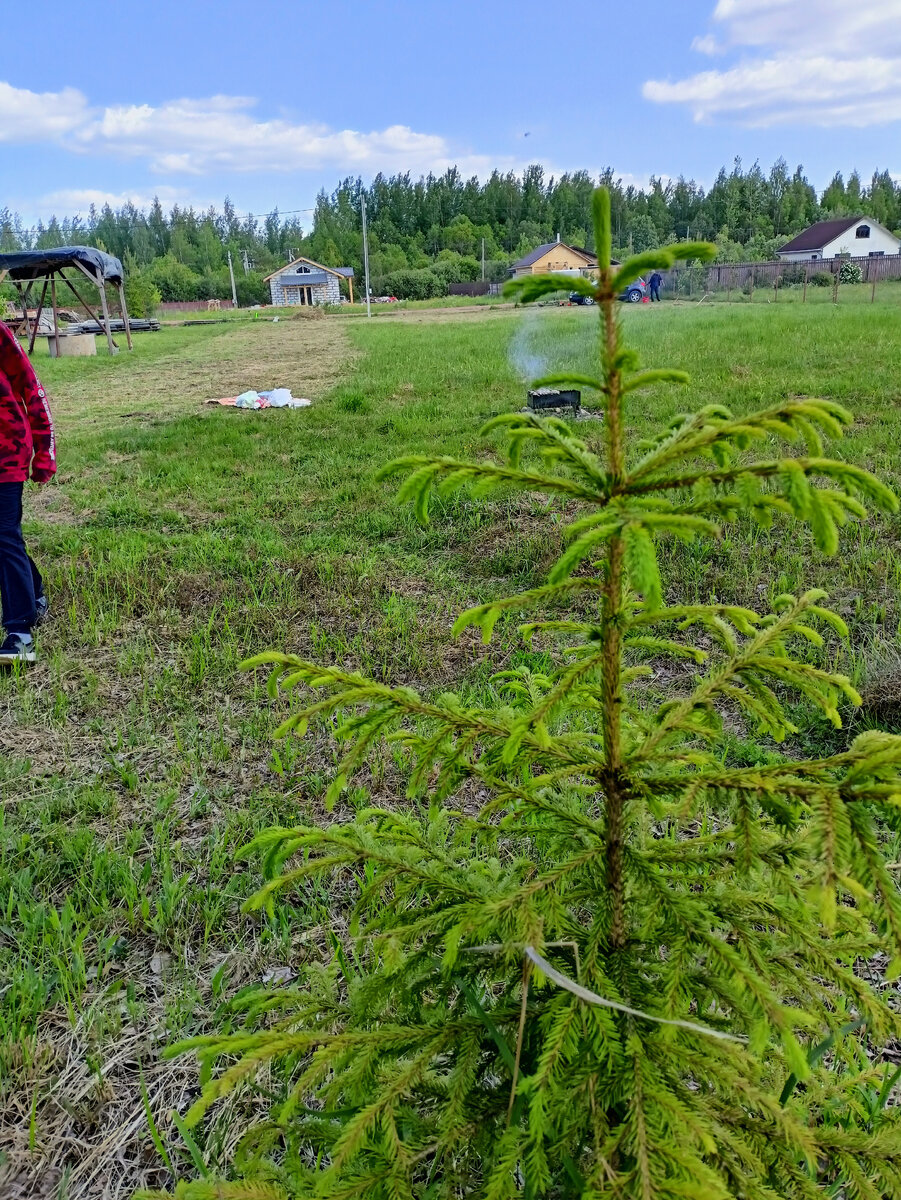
(716, 915)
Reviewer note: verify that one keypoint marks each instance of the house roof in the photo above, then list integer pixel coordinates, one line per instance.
(815, 237)
(306, 279)
(533, 256)
(343, 272)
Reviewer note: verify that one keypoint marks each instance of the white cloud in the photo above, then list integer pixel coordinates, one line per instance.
(79, 200)
(821, 62)
(827, 26)
(706, 44)
(219, 133)
(39, 116)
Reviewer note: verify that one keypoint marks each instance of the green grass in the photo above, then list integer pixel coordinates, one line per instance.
(136, 760)
(888, 292)
(359, 308)
(174, 316)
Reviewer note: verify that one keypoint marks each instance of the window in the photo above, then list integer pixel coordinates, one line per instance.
(814, 256)
(863, 231)
(876, 254)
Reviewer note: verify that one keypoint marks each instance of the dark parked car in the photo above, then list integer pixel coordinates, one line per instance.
(578, 298)
(635, 292)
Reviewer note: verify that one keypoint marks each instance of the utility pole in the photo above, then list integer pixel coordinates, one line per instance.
(365, 253)
(483, 260)
(232, 275)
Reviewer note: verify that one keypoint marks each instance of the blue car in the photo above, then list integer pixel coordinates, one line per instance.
(635, 292)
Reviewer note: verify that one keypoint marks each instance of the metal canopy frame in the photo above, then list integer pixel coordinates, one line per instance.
(48, 278)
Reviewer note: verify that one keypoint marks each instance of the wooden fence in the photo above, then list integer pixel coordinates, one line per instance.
(747, 278)
(479, 288)
(191, 305)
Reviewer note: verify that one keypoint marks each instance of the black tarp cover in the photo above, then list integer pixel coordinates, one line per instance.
(34, 264)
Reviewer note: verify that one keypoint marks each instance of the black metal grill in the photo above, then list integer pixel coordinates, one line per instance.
(543, 398)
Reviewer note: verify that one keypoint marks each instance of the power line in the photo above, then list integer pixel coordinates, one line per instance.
(286, 212)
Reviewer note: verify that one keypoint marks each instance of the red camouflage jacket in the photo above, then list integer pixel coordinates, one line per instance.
(27, 442)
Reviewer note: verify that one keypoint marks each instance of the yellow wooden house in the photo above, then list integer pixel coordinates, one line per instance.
(557, 258)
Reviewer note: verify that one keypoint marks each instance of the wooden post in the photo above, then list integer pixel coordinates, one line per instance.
(113, 348)
(729, 286)
(99, 284)
(775, 287)
(55, 314)
(23, 296)
(835, 280)
(350, 284)
(25, 302)
(806, 272)
(81, 300)
(37, 320)
(875, 274)
(751, 287)
(124, 312)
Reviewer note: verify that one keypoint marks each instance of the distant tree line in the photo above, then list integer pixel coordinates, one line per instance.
(436, 230)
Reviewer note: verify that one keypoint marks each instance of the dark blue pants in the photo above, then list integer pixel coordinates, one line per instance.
(655, 292)
(20, 580)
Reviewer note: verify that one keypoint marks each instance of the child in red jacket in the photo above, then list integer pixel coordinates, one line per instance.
(27, 451)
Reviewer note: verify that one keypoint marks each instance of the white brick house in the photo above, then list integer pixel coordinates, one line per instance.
(305, 282)
(854, 237)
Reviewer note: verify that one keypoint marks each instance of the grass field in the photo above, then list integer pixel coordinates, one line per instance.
(136, 759)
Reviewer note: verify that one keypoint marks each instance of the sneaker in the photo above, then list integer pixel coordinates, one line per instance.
(42, 610)
(18, 648)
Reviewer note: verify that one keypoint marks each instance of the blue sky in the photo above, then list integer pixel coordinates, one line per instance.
(268, 101)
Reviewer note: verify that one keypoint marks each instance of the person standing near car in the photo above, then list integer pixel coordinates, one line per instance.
(655, 283)
(27, 451)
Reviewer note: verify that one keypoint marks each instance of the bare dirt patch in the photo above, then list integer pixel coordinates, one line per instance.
(306, 356)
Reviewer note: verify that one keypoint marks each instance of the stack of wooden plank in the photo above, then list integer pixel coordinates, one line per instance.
(117, 325)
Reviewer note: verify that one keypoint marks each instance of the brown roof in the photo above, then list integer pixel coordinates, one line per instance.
(821, 234)
(534, 255)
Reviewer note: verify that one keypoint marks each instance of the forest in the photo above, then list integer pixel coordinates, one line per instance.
(436, 230)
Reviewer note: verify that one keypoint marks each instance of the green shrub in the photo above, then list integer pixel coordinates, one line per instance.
(792, 275)
(413, 284)
(850, 272)
(174, 280)
(251, 289)
(594, 955)
(690, 281)
(822, 279)
(142, 296)
(213, 285)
